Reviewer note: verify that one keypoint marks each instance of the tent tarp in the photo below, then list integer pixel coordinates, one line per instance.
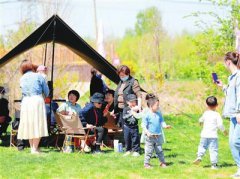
(66, 36)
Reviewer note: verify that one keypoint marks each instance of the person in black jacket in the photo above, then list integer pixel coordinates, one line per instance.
(92, 115)
(96, 83)
(130, 129)
(5, 119)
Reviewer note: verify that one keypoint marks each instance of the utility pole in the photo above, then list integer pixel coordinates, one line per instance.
(157, 43)
(95, 19)
(237, 31)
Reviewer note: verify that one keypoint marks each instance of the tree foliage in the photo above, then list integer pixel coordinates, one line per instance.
(141, 50)
(148, 21)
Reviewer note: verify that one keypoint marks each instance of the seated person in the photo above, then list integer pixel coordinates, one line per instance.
(71, 106)
(92, 115)
(108, 111)
(5, 119)
(109, 98)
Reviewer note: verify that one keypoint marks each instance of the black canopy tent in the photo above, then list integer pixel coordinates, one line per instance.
(56, 30)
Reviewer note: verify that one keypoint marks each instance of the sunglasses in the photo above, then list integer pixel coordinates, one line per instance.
(151, 95)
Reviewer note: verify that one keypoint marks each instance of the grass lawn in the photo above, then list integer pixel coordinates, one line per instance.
(180, 151)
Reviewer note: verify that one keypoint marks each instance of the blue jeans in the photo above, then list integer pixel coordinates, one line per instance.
(151, 144)
(234, 140)
(131, 138)
(212, 143)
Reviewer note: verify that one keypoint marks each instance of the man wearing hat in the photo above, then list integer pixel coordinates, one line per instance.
(92, 115)
(5, 119)
(130, 128)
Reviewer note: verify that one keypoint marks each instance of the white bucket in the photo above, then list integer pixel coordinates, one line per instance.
(115, 144)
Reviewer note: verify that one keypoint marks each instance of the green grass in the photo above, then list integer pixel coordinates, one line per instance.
(180, 150)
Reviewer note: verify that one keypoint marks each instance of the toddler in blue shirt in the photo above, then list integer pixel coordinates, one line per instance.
(152, 125)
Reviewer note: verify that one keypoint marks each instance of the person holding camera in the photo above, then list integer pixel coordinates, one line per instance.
(231, 107)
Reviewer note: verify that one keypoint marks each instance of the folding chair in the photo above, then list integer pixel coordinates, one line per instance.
(13, 136)
(112, 128)
(15, 124)
(71, 126)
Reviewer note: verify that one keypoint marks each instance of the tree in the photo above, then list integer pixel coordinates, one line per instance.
(141, 47)
(222, 33)
(149, 22)
(14, 37)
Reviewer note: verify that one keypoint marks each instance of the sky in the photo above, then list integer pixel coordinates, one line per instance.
(115, 15)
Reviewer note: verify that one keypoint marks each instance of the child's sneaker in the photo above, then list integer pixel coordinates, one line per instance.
(197, 161)
(214, 166)
(135, 154)
(163, 165)
(147, 166)
(127, 153)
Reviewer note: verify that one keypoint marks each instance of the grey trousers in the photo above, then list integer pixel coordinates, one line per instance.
(151, 144)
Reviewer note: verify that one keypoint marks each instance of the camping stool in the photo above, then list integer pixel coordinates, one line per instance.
(13, 140)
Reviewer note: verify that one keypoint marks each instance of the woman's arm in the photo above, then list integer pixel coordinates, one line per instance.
(238, 98)
(238, 94)
(137, 90)
(45, 87)
(223, 86)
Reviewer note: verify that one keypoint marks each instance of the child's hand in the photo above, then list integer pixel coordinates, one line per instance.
(225, 133)
(135, 109)
(168, 127)
(148, 133)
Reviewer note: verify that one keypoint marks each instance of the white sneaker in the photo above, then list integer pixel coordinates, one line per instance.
(87, 149)
(35, 151)
(214, 167)
(135, 154)
(127, 153)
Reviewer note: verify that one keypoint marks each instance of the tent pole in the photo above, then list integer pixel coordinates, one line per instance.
(45, 55)
(51, 82)
(53, 51)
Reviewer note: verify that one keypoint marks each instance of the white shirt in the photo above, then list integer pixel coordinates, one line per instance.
(212, 121)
